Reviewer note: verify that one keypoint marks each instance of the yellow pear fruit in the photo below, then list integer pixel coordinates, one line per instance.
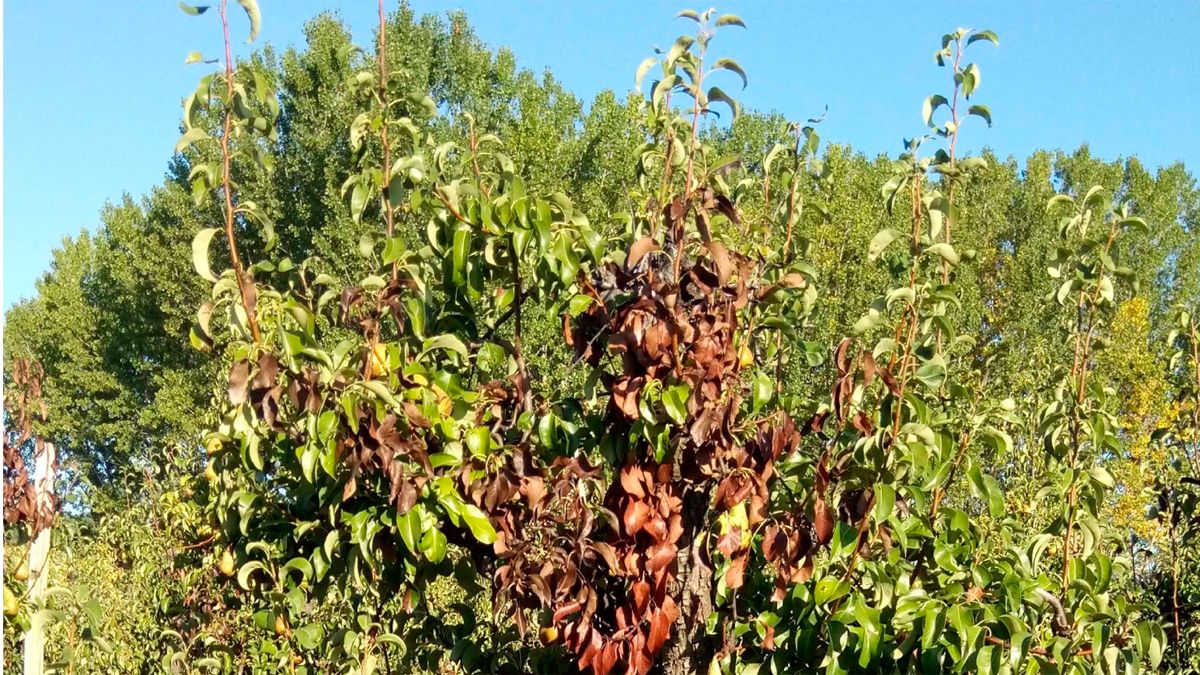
(549, 635)
(281, 627)
(22, 572)
(209, 472)
(226, 565)
(11, 604)
(213, 446)
(745, 356)
(379, 360)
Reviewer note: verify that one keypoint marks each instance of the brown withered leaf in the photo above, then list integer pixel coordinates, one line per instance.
(268, 369)
(822, 520)
(726, 207)
(351, 296)
(661, 555)
(817, 423)
(609, 554)
(604, 662)
(841, 356)
(639, 250)
(413, 414)
(702, 225)
(404, 495)
(239, 375)
(640, 591)
(625, 395)
(768, 637)
(773, 543)
(534, 489)
(869, 368)
(657, 528)
(631, 481)
(676, 210)
(805, 572)
(636, 513)
(721, 260)
(735, 576)
(660, 630)
(863, 423)
(730, 542)
(890, 380)
(567, 610)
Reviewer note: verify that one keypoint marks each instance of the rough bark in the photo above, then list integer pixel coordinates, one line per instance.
(691, 649)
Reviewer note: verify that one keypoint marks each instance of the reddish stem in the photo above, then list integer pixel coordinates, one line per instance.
(388, 216)
(227, 183)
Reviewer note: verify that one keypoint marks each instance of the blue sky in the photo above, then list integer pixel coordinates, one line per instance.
(92, 89)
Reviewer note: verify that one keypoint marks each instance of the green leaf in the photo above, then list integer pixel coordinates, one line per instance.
(1064, 290)
(462, 247)
(845, 539)
(771, 155)
(829, 589)
(945, 252)
(881, 241)
(243, 576)
(971, 79)
(252, 13)
(866, 322)
(1094, 198)
(479, 441)
(408, 526)
(359, 196)
(716, 94)
(393, 250)
(193, 10)
(479, 524)
(733, 67)
(995, 498)
(1135, 223)
(930, 106)
(309, 637)
(983, 660)
(643, 68)
(1059, 199)
(885, 501)
(932, 373)
(729, 20)
(446, 341)
(579, 304)
(983, 35)
(1102, 476)
(675, 401)
(433, 543)
(935, 621)
(762, 392)
(688, 14)
(981, 111)
(200, 245)
(1000, 440)
(193, 57)
(189, 137)
(301, 565)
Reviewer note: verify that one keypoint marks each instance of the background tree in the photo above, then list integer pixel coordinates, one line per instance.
(112, 317)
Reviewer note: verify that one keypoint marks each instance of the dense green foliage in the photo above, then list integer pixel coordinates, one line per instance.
(996, 470)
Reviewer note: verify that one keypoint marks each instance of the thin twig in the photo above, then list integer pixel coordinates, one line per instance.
(227, 182)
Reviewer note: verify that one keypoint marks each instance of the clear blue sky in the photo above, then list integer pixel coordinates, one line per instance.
(92, 88)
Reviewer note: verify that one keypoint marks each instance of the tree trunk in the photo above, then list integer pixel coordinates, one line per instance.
(690, 649)
(39, 558)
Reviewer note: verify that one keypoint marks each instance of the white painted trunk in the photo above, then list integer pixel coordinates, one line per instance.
(39, 560)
